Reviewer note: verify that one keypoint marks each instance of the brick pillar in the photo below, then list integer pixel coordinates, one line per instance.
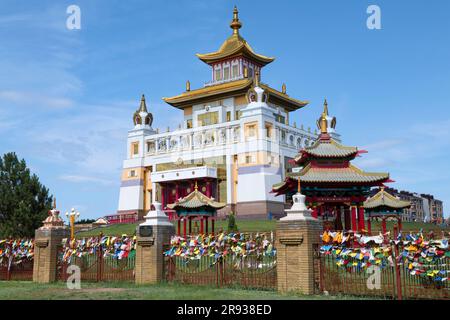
(151, 236)
(48, 239)
(297, 236)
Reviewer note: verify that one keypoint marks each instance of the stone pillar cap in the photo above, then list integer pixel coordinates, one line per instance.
(298, 211)
(156, 217)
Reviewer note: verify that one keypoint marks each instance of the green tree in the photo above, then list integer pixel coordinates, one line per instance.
(232, 226)
(24, 201)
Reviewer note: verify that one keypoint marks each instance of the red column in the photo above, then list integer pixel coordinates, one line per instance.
(399, 224)
(354, 227)
(383, 226)
(361, 224)
(208, 189)
(177, 191)
(314, 213)
(184, 227)
(179, 227)
(190, 225)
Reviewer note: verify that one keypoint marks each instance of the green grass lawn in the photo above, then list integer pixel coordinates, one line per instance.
(258, 225)
(27, 290)
(130, 228)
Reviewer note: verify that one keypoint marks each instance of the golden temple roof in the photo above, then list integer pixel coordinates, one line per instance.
(194, 200)
(231, 89)
(235, 45)
(327, 149)
(385, 199)
(350, 174)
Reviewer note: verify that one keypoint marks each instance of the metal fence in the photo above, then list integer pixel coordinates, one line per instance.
(228, 271)
(396, 281)
(21, 271)
(96, 267)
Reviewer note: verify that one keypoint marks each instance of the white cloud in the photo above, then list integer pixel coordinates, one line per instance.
(32, 100)
(85, 179)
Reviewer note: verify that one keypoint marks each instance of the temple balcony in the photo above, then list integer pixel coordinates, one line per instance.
(216, 82)
(184, 174)
(227, 133)
(194, 138)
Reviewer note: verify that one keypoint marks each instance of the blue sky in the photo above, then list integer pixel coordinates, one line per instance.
(67, 96)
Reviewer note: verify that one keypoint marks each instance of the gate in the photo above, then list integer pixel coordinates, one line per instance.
(97, 266)
(229, 271)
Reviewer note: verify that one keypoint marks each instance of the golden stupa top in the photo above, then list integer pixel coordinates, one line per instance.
(235, 45)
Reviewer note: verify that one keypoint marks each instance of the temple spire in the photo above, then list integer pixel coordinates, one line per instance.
(235, 23)
(325, 107)
(143, 105)
(54, 203)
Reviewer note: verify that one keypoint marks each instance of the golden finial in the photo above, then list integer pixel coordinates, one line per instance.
(322, 123)
(188, 86)
(235, 23)
(143, 105)
(257, 78)
(283, 88)
(196, 187)
(299, 188)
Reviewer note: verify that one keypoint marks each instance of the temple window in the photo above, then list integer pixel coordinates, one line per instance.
(250, 72)
(268, 127)
(251, 130)
(189, 123)
(218, 75)
(249, 159)
(235, 71)
(151, 146)
(208, 118)
(132, 173)
(279, 118)
(228, 116)
(226, 73)
(134, 148)
(237, 115)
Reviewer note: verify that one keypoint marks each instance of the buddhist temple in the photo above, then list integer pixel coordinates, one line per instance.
(196, 207)
(333, 186)
(235, 138)
(383, 206)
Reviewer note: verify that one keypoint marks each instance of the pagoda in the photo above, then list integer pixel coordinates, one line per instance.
(384, 205)
(196, 206)
(333, 186)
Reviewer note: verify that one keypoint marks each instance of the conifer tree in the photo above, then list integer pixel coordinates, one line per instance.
(24, 201)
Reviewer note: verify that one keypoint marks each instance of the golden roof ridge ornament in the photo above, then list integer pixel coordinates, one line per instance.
(143, 105)
(235, 23)
(326, 122)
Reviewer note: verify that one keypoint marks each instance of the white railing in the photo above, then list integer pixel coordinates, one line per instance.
(215, 82)
(223, 134)
(194, 138)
